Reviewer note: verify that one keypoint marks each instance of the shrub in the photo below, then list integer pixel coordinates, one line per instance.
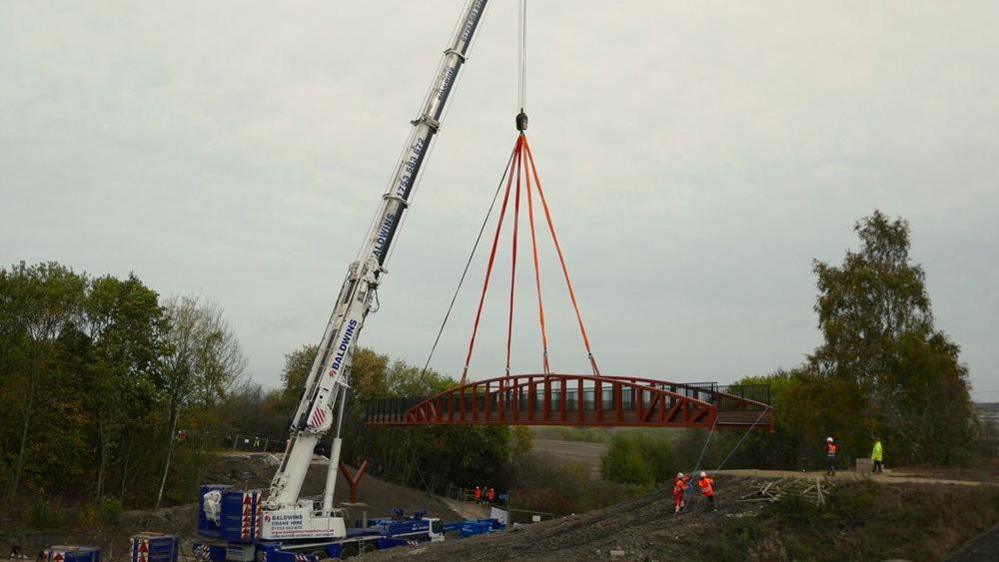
(542, 483)
(89, 518)
(639, 458)
(43, 515)
(110, 511)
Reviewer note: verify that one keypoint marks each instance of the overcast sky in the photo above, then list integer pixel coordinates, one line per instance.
(697, 157)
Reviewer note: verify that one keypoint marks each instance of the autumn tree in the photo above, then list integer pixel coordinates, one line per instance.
(203, 361)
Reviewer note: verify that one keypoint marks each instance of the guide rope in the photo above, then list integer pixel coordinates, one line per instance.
(744, 435)
(468, 262)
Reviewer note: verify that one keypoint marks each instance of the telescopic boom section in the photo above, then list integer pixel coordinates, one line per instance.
(324, 396)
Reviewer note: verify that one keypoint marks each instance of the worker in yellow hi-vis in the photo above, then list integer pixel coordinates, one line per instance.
(878, 457)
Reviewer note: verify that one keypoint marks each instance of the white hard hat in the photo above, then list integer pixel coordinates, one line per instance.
(829, 439)
(679, 475)
(704, 474)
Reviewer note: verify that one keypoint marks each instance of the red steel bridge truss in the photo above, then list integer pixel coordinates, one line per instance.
(581, 400)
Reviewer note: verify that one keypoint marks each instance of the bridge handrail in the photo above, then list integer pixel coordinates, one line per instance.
(724, 398)
(717, 392)
(632, 381)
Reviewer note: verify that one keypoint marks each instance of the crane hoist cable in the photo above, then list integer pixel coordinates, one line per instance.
(522, 58)
(523, 168)
(521, 102)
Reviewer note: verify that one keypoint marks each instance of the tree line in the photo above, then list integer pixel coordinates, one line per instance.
(100, 375)
(110, 392)
(96, 376)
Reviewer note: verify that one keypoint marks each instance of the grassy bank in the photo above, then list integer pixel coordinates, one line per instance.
(862, 521)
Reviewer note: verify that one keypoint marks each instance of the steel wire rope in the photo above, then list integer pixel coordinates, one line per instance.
(522, 58)
(744, 435)
(689, 492)
(704, 449)
(468, 263)
(413, 459)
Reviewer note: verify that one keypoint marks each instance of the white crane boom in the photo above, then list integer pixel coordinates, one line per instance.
(288, 516)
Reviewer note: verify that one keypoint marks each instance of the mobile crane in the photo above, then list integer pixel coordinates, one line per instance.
(243, 517)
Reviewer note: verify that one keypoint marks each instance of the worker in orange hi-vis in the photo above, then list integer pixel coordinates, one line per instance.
(831, 450)
(491, 495)
(707, 486)
(679, 488)
(477, 494)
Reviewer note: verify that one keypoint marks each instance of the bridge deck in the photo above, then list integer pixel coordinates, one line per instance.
(581, 400)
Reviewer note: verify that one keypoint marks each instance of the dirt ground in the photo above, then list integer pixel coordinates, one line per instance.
(901, 476)
(988, 473)
(641, 529)
(983, 548)
(645, 528)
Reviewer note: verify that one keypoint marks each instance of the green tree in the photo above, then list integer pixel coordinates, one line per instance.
(251, 410)
(38, 306)
(92, 373)
(867, 304)
(124, 326)
(879, 337)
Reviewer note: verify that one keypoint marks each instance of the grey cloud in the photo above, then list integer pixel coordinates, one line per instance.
(698, 157)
